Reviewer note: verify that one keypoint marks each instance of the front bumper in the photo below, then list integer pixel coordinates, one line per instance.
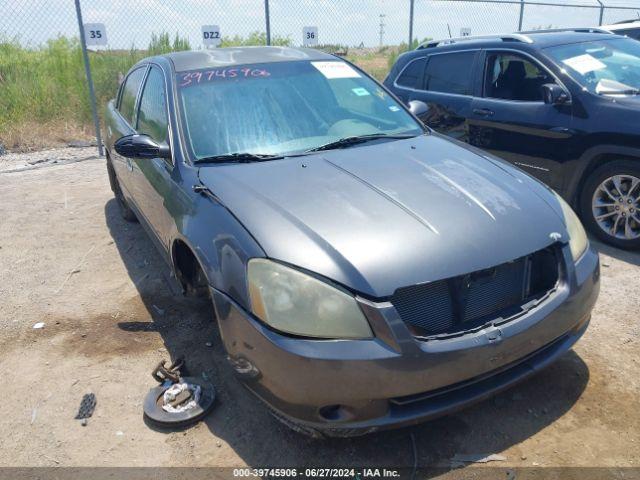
(349, 387)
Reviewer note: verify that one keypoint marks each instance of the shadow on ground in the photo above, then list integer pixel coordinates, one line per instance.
(631, 257)
(244, 423)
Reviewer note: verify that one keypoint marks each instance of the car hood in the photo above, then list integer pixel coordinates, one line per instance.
(386, 215)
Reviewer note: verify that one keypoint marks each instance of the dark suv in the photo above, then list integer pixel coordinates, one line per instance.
(561, 105)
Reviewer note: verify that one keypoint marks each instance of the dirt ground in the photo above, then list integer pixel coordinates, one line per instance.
(68, 259)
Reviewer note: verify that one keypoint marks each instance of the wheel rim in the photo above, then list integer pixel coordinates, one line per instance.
(615, 206)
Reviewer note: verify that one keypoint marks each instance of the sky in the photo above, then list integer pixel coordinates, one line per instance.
(347, 22)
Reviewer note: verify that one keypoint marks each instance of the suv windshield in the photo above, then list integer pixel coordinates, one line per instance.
(284, 107)
(606, 67)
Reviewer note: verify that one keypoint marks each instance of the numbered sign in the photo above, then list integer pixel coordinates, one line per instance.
(95, 34)
(310, 36)
(211, 35)
(465, 32)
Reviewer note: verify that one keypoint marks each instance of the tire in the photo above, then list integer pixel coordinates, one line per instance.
(612, 193)
(123, 206)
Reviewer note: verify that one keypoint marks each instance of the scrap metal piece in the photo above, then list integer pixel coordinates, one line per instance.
(87, 407)
(156, 415)
(163, 373)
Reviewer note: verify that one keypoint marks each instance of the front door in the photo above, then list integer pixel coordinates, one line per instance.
(512, 121)
(153, 177)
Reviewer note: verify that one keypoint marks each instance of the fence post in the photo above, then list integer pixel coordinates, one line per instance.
(601, 13)
(411, 2)
(267, 20)
(87, 71)
(521, 15)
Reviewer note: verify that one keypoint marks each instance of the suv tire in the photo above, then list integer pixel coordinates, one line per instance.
(624, 206)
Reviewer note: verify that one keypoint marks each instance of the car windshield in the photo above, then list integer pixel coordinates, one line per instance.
(605, 67)
(284, 107)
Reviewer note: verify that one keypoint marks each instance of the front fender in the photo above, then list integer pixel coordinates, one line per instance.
(220, 243)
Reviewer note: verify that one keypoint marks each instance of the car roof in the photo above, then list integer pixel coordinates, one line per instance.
(525, 40)
(230, 56)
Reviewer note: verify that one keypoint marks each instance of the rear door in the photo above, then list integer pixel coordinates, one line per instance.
(511, 120)
(444, 81)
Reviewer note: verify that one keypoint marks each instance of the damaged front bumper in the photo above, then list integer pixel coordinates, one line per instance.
(350, 387)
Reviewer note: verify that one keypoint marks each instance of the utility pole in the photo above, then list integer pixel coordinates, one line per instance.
(382, 25)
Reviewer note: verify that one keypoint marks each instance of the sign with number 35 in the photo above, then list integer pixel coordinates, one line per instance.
(95, 34)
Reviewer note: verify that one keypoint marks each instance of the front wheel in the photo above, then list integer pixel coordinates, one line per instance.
(610, 203)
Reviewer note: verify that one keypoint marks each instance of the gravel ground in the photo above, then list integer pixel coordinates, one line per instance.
(68, 260)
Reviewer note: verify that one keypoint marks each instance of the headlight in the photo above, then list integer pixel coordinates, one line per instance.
(578, 241)
(293, 302)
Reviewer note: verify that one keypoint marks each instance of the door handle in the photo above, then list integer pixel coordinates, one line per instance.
(484, 112)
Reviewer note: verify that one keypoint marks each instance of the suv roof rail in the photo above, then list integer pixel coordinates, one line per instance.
(510, 37)
(578, 30)
(631, 20)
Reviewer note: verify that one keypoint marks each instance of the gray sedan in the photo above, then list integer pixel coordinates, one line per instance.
(366, 273)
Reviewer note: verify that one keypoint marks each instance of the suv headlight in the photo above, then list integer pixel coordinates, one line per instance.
(293, 302)
(578, 241)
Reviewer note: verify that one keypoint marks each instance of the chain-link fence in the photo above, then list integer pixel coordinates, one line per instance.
(44, 92)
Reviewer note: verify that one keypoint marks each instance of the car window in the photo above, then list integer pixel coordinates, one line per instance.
(630, 32)
(511, 76)
(413, 74)
(129, 93)
(152, 116)
(604, 67)
(450, 73)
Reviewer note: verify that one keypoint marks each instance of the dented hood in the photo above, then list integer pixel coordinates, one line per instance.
(391, 214)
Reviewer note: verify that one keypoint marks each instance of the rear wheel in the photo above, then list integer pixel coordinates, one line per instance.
(610, 203)
(123, 206)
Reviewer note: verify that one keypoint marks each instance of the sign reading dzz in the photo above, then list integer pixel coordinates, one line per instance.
(309, 36)
(211, 35)
(95, 34)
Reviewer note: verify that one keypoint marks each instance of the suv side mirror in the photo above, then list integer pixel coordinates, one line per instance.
(141, 146)
(554, 94)
(418, 108)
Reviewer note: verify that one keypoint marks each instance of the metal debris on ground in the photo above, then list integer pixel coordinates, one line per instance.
(178, 401)
(181, 397)
(163, 373)
(87, 407)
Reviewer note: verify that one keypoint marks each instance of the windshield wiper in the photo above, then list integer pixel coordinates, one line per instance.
(348, 141)
(630, 91)
(238, 157)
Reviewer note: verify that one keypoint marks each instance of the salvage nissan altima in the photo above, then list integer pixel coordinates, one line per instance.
(366, 272)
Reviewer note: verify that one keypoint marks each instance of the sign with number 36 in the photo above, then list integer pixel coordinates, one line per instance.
(310, 36)
(95, 34)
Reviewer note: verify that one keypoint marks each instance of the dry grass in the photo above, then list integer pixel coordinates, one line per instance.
(30, 136)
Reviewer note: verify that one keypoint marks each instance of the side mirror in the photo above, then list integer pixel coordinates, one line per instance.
(141, 146)
(554, 94)
(418, 108)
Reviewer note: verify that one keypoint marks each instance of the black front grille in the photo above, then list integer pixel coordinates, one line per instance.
(464, 302)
